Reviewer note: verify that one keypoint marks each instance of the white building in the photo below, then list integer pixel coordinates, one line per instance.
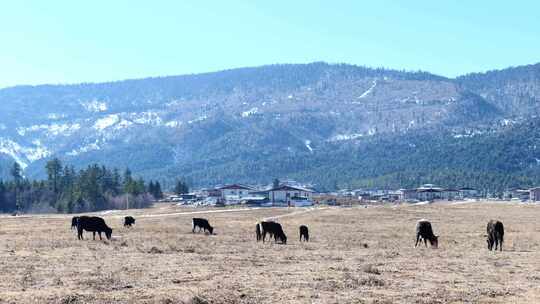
(450, 194)
(468, 193)
(289, 195)
(407, 194)
(429, 194)
(234, 192)
(534, 195)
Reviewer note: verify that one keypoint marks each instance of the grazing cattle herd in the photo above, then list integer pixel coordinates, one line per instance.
(423, 228)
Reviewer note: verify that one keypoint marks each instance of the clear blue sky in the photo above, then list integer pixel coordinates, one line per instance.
(90, 41)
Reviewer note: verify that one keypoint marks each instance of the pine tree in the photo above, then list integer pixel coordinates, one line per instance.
(181, 187)
(275, 183)
(54, 169)
(158, 194)
(16, 173)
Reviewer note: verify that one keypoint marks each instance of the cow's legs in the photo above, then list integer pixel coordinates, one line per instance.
(425, 242)
(100, 236)
(417, 240)
(94, 235)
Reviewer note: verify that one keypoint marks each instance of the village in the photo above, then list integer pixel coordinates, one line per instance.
(290, 193)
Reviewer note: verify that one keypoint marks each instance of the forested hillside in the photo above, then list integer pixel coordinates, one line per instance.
(327, 124)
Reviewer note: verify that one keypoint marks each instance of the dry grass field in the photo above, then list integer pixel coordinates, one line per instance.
(356, 255)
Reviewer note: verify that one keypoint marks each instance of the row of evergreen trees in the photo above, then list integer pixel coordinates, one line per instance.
(68, 191)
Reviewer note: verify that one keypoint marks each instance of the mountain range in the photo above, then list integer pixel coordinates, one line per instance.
(332, 125)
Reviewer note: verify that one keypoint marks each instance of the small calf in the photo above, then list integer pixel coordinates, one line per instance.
(304, 233)
(128, 221)
(495, 234)
(425, 232)
(202, 224)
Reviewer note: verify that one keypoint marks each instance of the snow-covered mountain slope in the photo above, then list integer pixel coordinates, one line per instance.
(199, 123)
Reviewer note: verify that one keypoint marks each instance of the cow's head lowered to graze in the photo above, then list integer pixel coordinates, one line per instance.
(424, 232)
(434, 241)
(108, 233)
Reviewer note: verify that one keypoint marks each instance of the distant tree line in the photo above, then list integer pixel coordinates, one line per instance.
(69, 191)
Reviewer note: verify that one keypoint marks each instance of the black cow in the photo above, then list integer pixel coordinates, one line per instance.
(304, 232)
(275, 230)
(425, 232)
(128, 221)
(495, 234)
(74, 221)
(202, 224)
(93, 224)
(258, 231)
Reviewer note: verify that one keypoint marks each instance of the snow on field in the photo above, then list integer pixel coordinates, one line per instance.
(368, 91)
(250, 112)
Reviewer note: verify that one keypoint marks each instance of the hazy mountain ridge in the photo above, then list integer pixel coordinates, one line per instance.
(256, 123)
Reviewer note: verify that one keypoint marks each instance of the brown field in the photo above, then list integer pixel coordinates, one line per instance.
(357, 255)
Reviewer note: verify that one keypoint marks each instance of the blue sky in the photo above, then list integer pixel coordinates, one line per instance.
(92, 41)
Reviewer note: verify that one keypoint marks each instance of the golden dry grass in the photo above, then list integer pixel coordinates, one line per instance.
(356, 255)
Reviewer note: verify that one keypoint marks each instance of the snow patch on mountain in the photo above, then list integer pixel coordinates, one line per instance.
(507, 122)
(106, 122)
(250, 112)
(147, 118)
(55, 116)
(51, 130)
(94, 106)
(308, 145)
(198, 119)
(369, 90)
(341, 137)
(86, 148)
(173, 124)
(24, 155)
